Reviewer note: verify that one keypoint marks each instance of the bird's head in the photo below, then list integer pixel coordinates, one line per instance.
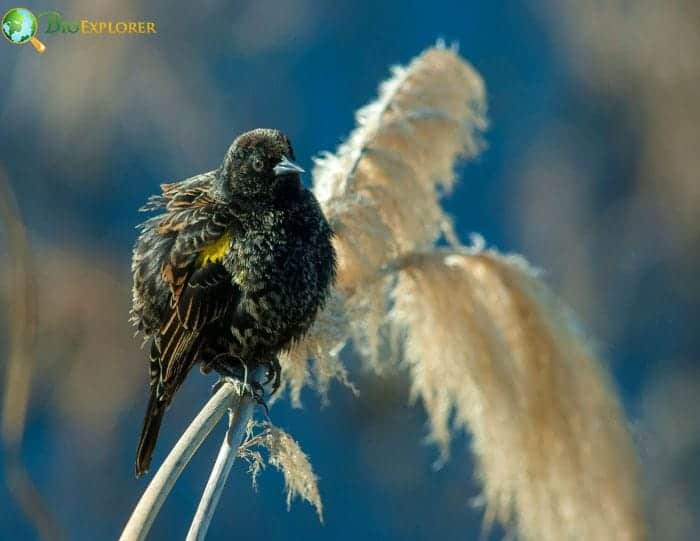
(259, 167)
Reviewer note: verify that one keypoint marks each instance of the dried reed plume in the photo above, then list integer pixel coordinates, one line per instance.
(380, 192)
(488, 347)
(285, 455)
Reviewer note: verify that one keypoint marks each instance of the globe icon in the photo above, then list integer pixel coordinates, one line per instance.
(19, 26)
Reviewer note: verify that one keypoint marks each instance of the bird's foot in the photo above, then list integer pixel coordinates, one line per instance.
(233, 370)
(272, 375)
(255, 389)
(230, 368)
(258, 394)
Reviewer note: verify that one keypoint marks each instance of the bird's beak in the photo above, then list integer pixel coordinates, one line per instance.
(287, 166)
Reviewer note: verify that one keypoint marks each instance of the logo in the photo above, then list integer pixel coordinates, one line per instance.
(20, 26)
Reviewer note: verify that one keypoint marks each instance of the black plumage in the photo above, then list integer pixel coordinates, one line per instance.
(231, 271)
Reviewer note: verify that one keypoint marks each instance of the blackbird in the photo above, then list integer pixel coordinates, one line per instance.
(230, 272)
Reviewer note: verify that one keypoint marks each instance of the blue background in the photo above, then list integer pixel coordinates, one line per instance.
(89, 129)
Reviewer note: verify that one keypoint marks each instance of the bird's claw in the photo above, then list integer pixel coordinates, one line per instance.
(237, 375)
(223, 379)
(257, 391)
(272, 375)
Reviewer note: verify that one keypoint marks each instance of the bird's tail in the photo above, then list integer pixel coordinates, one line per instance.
(149, 433)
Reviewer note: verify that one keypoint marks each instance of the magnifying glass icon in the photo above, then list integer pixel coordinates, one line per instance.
(19, 26)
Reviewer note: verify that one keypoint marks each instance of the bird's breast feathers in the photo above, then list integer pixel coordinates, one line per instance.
(214, 252)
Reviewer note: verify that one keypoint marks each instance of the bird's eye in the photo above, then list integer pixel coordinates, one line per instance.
(257, 164)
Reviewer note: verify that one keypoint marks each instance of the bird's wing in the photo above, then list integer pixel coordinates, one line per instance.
(197, 293)
(183, 209)
(181, 193)
(207, 295)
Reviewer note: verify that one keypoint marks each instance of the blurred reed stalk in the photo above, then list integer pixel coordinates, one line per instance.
(22, 321)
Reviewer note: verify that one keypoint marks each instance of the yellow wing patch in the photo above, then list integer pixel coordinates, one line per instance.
(214, 252)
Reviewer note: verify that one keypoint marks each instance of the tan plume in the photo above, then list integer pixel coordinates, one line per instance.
(489, 349)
